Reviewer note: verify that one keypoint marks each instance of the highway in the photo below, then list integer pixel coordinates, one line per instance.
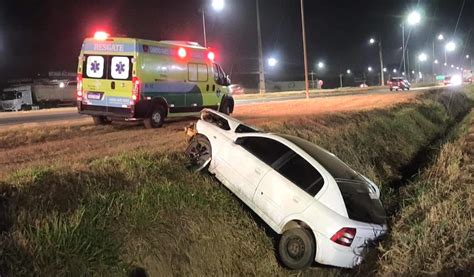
(51, 115)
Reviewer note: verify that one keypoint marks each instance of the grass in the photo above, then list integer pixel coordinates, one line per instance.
(433, 231)
(146, 210)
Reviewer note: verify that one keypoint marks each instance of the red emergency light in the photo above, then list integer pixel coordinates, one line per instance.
(100, 35)
(211, 56)
(182, 53)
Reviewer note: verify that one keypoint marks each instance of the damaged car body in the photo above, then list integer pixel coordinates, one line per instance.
(323, 210)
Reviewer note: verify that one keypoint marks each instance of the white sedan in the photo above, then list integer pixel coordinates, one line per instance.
(323, 210)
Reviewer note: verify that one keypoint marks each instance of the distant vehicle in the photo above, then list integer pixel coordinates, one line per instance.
(136, 79)
(399, 83)
(36, 96)
(467, 76)
(236, 89)
(364, 85)
(323, 209)
(454, 80)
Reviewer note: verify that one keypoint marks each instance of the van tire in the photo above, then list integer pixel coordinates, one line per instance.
(227, 105)
(101, 120)
(297, 248)
(156, 119)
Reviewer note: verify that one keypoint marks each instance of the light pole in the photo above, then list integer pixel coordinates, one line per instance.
(372, 41)
(412, 19)
(421, 58)
(304, 51)
(439, 37)
(217, 5)
(261, 74)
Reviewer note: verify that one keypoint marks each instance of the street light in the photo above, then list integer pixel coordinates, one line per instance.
(372, 41)
(369, 69)
(440, 37)
(217, 5)
(272, 62)
(321, 65)
(422, 57)
(414, 18)
(394, 70)
(384, 69)
(467, 56)
(348, 71)
(436, 61)
(451, 46)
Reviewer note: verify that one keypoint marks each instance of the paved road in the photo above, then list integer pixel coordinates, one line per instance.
(14, 118)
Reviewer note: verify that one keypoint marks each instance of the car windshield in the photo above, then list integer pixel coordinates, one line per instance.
(337, 168)
(245, 129)
(8, 95)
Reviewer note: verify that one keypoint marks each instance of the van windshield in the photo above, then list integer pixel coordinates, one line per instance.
(8, 95)
(107, 67)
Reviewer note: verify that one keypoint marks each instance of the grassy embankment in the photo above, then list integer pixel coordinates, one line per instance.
(147, 210)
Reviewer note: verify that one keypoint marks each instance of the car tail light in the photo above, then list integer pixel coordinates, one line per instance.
(344, 237)
(136, 90)
(79, 91)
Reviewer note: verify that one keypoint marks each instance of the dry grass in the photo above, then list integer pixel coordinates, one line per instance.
(433, 231)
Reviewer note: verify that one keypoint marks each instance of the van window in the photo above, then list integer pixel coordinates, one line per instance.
(197, 72)
(120, 68)
(95, 67)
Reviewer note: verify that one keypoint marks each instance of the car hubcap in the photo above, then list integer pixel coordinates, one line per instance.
(156, 117)
(295, 248)
(199, 154)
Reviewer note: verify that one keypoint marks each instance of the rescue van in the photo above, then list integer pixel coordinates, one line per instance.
(120, 78)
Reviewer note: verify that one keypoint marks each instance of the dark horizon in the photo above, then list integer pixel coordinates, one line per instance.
(41, 36)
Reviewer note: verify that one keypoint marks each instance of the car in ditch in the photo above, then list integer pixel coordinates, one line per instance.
(324, 210)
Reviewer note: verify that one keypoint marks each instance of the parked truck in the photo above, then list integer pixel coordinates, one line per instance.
(37, 96)
(467, 76)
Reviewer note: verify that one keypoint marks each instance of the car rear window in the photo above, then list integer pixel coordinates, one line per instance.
(108, 67)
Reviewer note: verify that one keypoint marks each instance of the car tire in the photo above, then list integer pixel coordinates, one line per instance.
(156, 119)
(101, 120)
(199, 153)
(391, 89)
(226, 106)
(297, 248)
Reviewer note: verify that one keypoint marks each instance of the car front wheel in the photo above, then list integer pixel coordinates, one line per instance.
(297, 248)
(199, 153)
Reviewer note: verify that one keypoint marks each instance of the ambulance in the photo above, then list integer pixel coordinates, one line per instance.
(120, 78)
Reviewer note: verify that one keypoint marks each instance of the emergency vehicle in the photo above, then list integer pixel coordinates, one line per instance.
(120, 78)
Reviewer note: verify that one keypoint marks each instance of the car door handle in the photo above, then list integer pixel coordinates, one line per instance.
(258, 171)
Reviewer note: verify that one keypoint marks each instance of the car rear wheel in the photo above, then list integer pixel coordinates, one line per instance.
(199, 153)
(156, 119)
(297, 248)
(101, 120)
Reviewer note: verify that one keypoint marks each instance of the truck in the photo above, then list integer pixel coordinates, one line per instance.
(131, 79)
(36, 96)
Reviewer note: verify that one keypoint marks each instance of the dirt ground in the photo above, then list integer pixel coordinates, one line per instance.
(77, 142)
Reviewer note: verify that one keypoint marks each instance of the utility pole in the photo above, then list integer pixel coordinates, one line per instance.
(403, 47)
(433, 58)
(382, 81)
(204, 27)
(261, 74)
(340, 80)
(304, 51)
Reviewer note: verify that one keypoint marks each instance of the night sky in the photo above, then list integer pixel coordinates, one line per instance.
(46, 35)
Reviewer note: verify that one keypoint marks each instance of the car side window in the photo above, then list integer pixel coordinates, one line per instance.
(265, 149)
(303, 174)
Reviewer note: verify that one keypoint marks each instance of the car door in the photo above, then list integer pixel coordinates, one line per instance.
(247, 160)
(289, 188)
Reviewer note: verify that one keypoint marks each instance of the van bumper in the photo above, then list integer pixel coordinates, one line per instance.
(125, 113)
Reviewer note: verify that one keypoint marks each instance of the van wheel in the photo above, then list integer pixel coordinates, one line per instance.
(156, 119)
(226, 106)
(101, 120)
(297, 248)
